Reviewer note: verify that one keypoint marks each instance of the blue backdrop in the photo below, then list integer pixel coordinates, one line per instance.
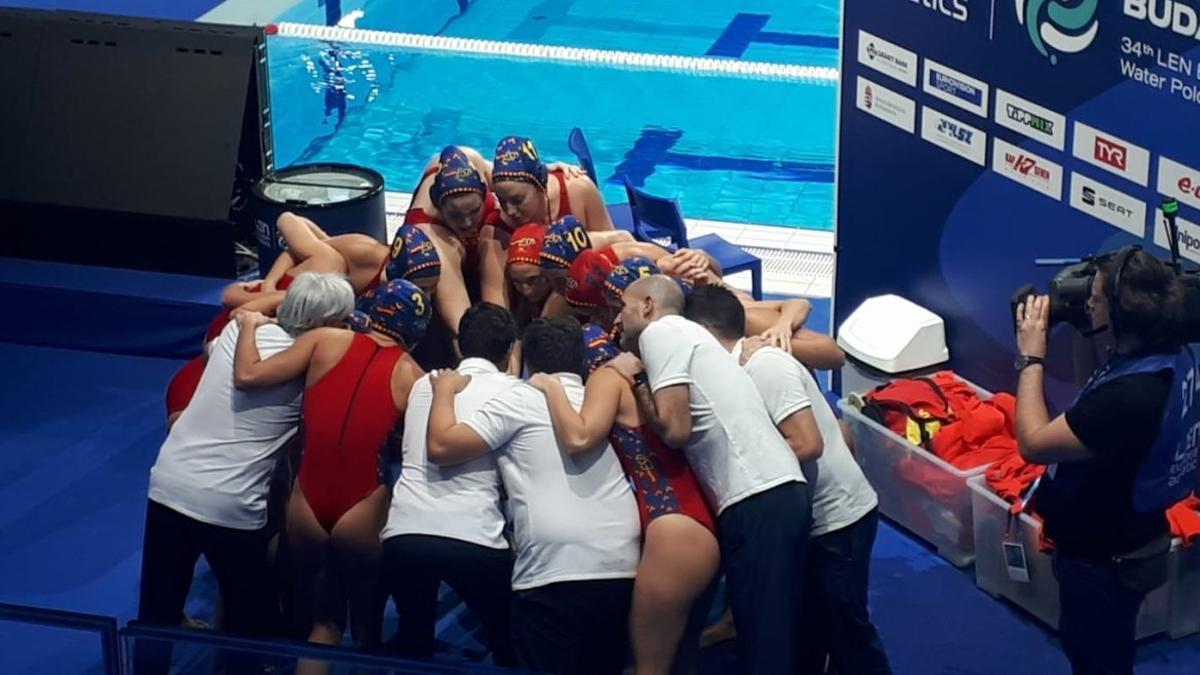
(977, 135)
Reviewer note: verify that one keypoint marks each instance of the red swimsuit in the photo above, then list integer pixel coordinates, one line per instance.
(663, 483)
(348, 414)
(564, 199)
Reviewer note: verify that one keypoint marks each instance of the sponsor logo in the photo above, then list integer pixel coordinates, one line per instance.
(1027, 169)
(1031, 120)
(954, 136)
(1112, 154)
(262, 232)
(1179, 181)
(955, 9)
(956, 88)
(1111, 206)
(1189, 237)
(1059, 26)
(887, 105)
(1026, 165)
(1167, 15)
(888, 58)
(953, 130)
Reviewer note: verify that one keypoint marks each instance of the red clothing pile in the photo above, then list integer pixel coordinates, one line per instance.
(946, 416)
(1184, 518)
(1011, 477)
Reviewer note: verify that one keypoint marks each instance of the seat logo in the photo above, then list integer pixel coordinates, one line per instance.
(1059, 26)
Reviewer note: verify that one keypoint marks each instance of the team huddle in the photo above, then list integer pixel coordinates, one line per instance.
(579, 433)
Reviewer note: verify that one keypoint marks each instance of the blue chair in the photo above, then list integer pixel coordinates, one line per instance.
(656, 217)
(577, 143)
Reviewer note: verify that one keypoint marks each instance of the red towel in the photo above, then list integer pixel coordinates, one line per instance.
(1184, 518)
(983, 431)
(1011, 477)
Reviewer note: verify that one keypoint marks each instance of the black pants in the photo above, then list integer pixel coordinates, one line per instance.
(764, 543)
(415, 565)
(573, 627)
(1099, 601)
(837, 623)
(238, 558)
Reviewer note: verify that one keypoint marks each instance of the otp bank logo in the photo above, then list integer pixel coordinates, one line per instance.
(1112, 153)
(1059, 26)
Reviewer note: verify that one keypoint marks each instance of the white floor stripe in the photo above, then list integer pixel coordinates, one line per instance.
(691, 64)
(247, 12)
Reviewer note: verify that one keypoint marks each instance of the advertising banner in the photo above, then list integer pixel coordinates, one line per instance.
(978, 135)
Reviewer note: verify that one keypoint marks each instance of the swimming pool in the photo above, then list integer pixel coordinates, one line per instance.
(730, 147)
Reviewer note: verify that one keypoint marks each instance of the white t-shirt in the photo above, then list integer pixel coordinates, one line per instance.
(842, 494)
(217, 461)
(574, 518)
(735, 450)
(460, 502)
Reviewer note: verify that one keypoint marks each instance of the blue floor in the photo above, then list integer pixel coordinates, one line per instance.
(79, 430)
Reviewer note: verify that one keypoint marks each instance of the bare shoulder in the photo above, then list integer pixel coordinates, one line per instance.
(408, 369)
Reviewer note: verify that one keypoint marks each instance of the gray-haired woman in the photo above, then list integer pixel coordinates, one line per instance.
(209, 485)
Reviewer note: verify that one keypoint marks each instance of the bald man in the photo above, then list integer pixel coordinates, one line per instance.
(695, 397)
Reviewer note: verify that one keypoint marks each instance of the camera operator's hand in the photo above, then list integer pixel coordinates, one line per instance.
(1033, 320)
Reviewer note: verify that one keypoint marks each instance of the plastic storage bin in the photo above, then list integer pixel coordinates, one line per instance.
(917, 489)
(1173, 608)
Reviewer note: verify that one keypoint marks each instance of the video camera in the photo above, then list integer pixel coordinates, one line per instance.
(1070, 289)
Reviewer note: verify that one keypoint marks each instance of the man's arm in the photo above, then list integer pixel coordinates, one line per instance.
(802, 435)
(781, 383)
(449, 442)
(667, 411)
(580, 432)
(1041, 440)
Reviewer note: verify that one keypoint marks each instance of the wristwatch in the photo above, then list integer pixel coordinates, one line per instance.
(1024, 362)
(640, 379)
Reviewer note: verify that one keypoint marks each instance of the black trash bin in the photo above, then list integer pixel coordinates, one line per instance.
(340, 198)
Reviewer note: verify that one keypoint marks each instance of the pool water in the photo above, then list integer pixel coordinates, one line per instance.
(730, 148)
(782, 31)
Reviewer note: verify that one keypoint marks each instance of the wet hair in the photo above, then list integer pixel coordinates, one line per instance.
(314, 300)
(1148, 305)
(717, 309)
(554, 345)
(487, 331)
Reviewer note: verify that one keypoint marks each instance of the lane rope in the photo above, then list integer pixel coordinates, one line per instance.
(819, 75)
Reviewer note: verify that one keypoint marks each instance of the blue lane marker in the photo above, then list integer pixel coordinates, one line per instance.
(746, 29)
(797, 40)
(738, 35)
(653, 149)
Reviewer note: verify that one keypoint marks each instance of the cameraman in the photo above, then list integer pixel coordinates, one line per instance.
(1108, 553)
